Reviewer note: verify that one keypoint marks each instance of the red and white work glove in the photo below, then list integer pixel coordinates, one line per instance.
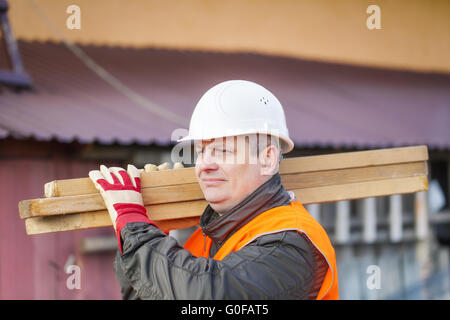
(121, 191)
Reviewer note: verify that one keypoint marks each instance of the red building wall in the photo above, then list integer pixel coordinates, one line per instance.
(32, 267)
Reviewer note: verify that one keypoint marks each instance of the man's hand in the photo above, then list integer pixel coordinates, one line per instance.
(121, 191)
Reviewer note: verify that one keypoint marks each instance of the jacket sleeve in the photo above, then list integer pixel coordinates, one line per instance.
(154, 266)
(127, 291)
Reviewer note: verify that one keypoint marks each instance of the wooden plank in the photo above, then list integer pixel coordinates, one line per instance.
(77, 221)
(192, 191)
(354, 159)
(362, 190)
(167, 211)
(350, 175)
(345, 160)
(321, 194)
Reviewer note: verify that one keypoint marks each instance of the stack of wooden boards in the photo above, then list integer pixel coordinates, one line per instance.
(174, 200)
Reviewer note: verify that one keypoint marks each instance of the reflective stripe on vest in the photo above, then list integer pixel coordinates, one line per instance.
(292, 217)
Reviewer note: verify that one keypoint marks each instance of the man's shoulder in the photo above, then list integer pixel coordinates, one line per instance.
(285, 239)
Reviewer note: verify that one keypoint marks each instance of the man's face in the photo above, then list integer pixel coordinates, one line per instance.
(226, 171)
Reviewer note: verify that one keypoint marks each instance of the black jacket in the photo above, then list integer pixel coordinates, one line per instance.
(283, 265)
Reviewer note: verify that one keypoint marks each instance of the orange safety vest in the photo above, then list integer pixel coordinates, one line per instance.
(284, 218)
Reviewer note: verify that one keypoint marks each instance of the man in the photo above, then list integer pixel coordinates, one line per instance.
(255, 240)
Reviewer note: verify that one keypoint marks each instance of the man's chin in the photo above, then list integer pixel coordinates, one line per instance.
(216, 202)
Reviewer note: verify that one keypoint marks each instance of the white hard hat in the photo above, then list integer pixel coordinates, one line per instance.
(238, 107)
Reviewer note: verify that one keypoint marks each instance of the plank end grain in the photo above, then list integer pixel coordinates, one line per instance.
(25, 209)
(50, 189)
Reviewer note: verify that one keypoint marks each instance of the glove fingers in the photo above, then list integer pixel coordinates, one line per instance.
(121, 175)
(163, 166)
(135, 175)
(97, 178)
(108, 175)
(150, 167)
(178, 165)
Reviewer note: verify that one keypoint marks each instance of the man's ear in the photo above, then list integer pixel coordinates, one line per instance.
(268, 159)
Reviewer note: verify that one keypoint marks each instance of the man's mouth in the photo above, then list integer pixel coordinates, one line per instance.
(211, 182)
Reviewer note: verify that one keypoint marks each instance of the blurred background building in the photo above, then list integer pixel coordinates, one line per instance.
(114, 91)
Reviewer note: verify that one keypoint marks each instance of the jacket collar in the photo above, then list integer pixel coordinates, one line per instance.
(269, 195)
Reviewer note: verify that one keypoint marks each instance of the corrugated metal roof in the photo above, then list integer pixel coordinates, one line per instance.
(325, 104)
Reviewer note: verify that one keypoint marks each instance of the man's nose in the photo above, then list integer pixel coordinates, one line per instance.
(206, 161)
